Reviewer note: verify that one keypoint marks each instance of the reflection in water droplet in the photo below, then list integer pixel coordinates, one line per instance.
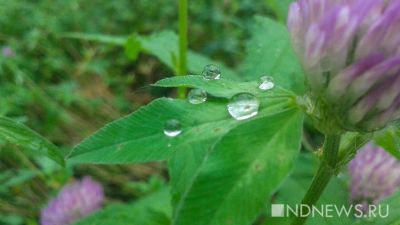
(211, 72)
(243, 106)
(197, 96)
(266, 83)
(172, 128)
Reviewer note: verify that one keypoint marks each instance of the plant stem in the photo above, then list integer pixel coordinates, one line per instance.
(183, 43)
(324, 174)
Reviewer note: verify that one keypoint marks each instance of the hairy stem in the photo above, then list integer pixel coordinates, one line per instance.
(183, 43)
(324, 174)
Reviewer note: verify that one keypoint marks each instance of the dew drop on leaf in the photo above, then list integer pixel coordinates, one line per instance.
(211, 72)
(243, 106)
(197, 96)
(266, 83)
(172, 128)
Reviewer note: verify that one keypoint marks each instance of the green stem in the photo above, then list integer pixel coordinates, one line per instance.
(183, 43)
(324, 174)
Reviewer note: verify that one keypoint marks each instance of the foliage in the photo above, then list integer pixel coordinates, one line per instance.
(151, 210)
(78, 65)
(19, 134)
(269, 52)
(389, 139)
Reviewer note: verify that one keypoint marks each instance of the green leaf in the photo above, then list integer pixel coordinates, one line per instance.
(133, 47)
(389, 139)
(107, 39)
(20, 135)
(294, 189)
(151, 210)
(221, 88)
(139, 137)
(241, 170)
(185, 161)
(280, 8)
(163, 45)
(269, 52)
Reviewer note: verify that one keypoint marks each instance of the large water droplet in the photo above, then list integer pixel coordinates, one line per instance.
(243, 106)
(211, 72)
(266, 83)
(172, 128)
(197, 96)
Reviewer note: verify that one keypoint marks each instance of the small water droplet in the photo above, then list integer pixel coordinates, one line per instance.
(243, 106)
(211, 72)
(197, 96)
(266, 83)
(172, 128)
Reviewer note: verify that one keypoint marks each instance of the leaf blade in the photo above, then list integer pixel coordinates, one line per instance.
(389, 139)
(19, 134)
(223, 87)
(269, 52)
(215, 209)
(139, 137)
(154, 209)
(163, 45)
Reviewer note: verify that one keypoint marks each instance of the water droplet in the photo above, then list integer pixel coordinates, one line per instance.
(243, 106)
(197, 96)
(172, 128)
(266, 83)
(211, 72)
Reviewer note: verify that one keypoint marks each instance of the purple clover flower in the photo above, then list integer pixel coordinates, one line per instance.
(7, 52)
(350, 51)
(75, 201)
(375, 175)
